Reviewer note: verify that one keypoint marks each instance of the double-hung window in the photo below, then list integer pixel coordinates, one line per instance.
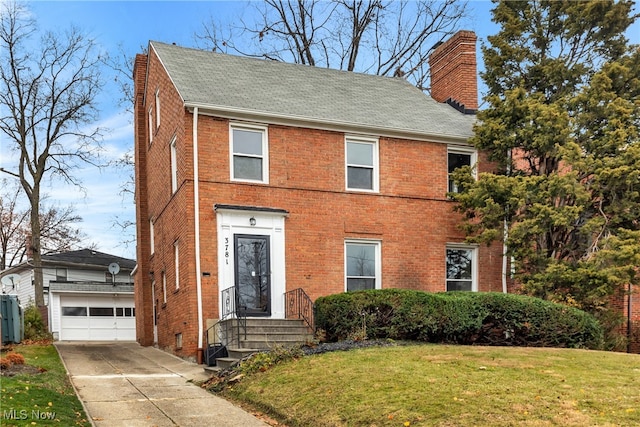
(174, 165)
(461, 267)
(249, 154)
(362, 265)
(361, 164)
(176, 260)
(152, 238)
(458, 157)
(164, 287)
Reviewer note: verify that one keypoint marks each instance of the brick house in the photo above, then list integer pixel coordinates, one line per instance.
(264, 177)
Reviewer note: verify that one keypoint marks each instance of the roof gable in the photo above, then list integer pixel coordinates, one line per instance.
(315, 95)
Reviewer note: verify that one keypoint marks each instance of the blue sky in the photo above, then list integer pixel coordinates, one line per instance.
(132, 24)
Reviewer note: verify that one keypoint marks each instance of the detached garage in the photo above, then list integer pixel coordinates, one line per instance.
(92, 311)
(89, 294)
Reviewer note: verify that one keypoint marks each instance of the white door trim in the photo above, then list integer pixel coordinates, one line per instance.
(267, 223)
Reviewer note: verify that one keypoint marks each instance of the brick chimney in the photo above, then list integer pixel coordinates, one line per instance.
(454, 77)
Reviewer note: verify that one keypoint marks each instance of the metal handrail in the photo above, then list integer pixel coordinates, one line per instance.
(299, 305)
(225, 336)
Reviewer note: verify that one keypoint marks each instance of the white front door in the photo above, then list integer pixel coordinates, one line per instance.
(251, 260)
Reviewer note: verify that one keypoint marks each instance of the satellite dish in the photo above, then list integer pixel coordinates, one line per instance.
(11, 280)
(114, 268)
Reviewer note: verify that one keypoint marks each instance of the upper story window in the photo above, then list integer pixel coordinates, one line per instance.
(249, 154)
(174, 165)
(362, 265)
(61, 274)
(361, 164)
(461, 268)
(458, 157)
(157, 108)
(152, 130)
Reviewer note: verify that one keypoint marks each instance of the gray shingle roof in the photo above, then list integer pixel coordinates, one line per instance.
(299, 92)
(88, 257)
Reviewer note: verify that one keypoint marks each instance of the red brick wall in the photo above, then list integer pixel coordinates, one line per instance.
(454, 70)
(142, 284)
(410, 215)
(172, 215)
(621, 303)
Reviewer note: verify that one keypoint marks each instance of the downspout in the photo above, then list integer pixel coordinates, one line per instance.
(196, 204)
(629, 325)
(505, 233)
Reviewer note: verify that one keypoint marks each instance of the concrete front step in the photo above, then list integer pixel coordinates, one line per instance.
(265, 334)
(267, 344)
(241, 353)
(277, 336)
(289, 329)
(254, 321)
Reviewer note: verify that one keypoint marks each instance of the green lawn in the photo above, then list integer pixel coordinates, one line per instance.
(45, 398)
(438, 385)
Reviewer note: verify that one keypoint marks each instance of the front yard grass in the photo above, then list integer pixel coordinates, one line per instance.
(40, 398)
(444, 385)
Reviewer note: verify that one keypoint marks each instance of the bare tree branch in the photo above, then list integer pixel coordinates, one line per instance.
(58, 231)
(392, 38)
(48, 95)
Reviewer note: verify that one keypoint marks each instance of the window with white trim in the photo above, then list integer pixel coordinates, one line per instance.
(151, 128)
(361, 164)
(461, 265)
(152, 245)
(174, 165)
(249, 153)
(458, 157)
(157, 108)
(362, 265)
(164, 287)
(176, 259)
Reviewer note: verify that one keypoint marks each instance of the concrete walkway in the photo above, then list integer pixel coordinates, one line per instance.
(125, 384)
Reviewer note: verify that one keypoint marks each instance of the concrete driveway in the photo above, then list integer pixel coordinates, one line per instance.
(125, 384)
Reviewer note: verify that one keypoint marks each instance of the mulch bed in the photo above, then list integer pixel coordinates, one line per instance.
(21, 370)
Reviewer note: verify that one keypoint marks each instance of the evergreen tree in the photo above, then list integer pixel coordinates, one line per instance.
(562, 128)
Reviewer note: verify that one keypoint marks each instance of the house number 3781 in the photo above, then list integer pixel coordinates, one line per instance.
(226, 250)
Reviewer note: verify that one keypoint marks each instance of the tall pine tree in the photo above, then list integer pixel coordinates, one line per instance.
(561, 125)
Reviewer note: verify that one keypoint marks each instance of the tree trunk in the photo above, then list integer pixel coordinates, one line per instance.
(38, 280)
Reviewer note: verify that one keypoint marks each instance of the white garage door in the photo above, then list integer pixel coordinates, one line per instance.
(97, 318)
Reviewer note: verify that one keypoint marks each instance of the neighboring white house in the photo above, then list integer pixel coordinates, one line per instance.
(89, 294)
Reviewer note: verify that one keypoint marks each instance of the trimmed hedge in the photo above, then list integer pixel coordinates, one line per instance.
(456, 317)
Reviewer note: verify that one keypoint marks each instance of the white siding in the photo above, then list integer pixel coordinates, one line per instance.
(23, 289)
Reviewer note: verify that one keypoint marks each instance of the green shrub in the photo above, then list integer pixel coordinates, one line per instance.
(34, 327)
(456, 317)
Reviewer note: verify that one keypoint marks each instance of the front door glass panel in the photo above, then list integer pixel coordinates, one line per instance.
(252, 275)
